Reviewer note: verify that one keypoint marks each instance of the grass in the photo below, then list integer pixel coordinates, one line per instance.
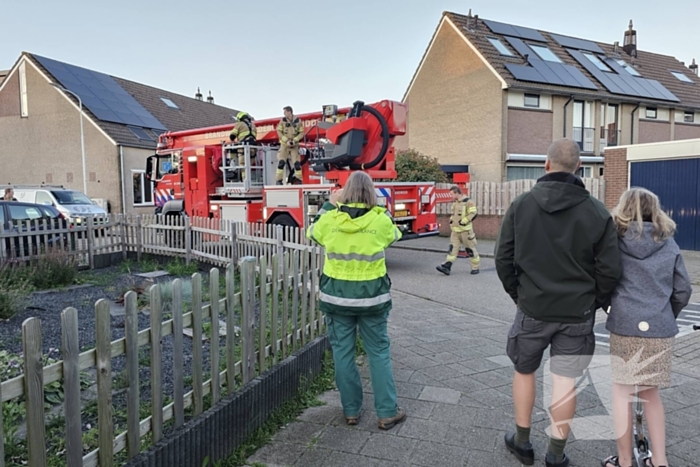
(287, 413)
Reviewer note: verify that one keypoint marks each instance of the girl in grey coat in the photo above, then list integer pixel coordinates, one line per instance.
(653, 290)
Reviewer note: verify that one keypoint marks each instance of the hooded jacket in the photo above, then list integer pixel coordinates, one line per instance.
(354, 279)
(556, 253)
(654, 288)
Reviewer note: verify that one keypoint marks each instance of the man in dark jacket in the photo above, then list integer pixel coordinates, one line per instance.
(557, 256)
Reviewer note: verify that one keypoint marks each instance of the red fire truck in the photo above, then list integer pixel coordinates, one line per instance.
(196, 172)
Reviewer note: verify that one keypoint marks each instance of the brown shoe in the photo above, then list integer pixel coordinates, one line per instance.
(389, 423)
(352, 420)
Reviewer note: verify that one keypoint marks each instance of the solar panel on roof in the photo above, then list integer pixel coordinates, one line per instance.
(546, 72)
(520, 46)
(101, 94)
(525, 73)
(575, 43)
(621, 84)
(514, 31)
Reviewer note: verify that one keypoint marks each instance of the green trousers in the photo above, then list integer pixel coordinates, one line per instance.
(342, 331)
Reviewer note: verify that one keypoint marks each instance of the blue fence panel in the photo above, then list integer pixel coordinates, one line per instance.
(676, 184)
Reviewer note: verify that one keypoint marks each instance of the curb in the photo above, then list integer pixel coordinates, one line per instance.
(434, 250)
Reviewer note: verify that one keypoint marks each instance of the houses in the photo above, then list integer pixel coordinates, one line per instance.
(494, 96)
(40, 129)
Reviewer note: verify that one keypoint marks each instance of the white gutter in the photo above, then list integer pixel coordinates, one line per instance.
(543, 158)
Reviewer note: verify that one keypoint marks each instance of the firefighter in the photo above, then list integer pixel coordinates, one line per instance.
(290, 130)
(244, 132)
(463, 213)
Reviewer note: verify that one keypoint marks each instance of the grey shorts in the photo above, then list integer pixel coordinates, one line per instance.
(571, 350)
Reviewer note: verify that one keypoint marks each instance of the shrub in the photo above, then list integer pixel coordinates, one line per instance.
(55, 268)
(413, 166)
(14, 288)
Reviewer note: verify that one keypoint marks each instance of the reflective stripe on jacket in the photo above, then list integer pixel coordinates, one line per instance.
(354, 279)
(244, 134)
(463, 212)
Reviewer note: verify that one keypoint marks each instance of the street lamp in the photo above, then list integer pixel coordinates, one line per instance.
(82, 136)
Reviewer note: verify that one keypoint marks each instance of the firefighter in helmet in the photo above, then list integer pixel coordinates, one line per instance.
(463, 213)
(244, 132)
(290, 131)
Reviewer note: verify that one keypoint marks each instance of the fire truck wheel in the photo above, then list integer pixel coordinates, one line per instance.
(284, 220)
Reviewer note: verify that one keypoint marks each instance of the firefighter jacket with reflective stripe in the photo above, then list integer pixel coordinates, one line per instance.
(244, 132)
(287, 130)
(463, 213)
(354, 279)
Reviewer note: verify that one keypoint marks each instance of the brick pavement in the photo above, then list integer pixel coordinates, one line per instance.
(453, 378)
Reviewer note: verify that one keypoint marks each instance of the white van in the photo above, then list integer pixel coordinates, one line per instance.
(74, 205)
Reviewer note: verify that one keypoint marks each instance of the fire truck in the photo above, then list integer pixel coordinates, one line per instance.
(196, 172)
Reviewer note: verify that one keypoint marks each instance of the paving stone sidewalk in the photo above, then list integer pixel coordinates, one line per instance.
(454, 380)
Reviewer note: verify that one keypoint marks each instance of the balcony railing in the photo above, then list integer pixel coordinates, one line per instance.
(585, 138)
(609, 137)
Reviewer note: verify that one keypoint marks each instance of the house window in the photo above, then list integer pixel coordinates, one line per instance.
(601, 171)
(627, 67)
(502, 49)
(584, 172)
(524, 172)
(169, 103)
(142, 189)
(689, 117)
(651, 112)
(24, 111)
(681, 77)
(532, 100)
(584, 133)
(140, 133)
(545, 53)
(597, 62)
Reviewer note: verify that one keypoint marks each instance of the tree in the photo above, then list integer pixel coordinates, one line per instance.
(413, 166)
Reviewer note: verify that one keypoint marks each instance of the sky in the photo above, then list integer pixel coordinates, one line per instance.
(260, 56)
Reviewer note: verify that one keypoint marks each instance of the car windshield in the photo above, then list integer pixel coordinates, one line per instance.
(67, 197)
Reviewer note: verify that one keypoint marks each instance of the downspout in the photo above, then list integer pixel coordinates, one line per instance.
(632, 115)
(565, 106)
(123, 181)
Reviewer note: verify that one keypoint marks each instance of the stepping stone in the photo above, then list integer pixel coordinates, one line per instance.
(152, 275)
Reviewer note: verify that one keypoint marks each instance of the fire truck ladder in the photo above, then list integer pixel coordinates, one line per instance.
(242, 181)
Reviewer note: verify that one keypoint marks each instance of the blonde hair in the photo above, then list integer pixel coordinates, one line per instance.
(639, 205)
(359, 189)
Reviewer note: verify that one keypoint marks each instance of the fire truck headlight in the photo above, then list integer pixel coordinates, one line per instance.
(265, 213)
(214, 207)
(192, 159)
(399, 207)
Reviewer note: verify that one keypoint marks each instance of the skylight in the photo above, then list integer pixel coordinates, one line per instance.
(597, 62)
(627, 67)
(169, 103)
(502, 49)
(140, 133)
(681, 77)
(545, 53)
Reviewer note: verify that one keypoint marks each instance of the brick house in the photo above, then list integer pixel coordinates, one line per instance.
(494, 96)
(40, 129)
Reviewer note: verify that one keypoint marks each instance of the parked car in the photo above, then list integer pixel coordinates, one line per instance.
(28, 218)
(74, 205)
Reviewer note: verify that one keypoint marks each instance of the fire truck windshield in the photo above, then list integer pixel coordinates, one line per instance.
(169, 164)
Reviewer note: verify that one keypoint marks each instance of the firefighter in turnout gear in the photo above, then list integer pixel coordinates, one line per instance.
(290, 131)
(463, 213)
(244, 132)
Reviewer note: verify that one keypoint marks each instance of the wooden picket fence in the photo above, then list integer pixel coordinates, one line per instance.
(216, 241)
(494, 198)
(282, 290)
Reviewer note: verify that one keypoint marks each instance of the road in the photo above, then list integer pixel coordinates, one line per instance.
(414, 272)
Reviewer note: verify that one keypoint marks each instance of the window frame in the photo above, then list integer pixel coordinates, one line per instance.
(680, 76)
(687, 114)
(169, 102)
(500, 47)
(656, 113)
(597, 62)
(144, 181)
(531, 96)
(628, 68)
(534, 48)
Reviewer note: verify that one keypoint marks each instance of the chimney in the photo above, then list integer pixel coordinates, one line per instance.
(694, 67)
(476, 21)
(210, 99)
(198, 96)
(630, 43)
(616, 48)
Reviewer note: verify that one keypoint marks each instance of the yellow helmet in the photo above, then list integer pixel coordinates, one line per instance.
(242, 116)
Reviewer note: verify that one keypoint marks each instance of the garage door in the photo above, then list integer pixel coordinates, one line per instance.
(676, 184)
